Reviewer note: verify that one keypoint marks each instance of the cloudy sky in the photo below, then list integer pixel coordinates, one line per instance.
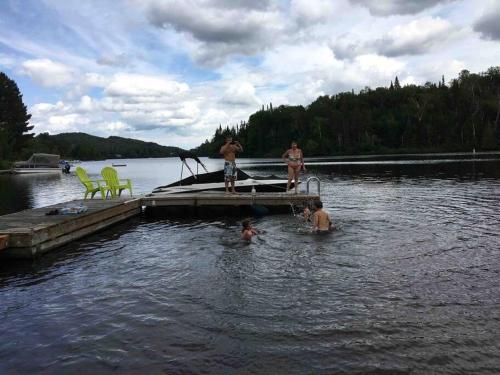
(172, 71)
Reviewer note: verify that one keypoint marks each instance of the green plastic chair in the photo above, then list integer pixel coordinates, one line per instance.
(93, 186)
(110, 175)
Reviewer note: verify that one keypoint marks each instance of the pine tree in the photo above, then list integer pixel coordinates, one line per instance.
(14, 118)
(397, 86)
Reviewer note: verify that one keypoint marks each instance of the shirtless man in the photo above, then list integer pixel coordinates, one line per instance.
(229, 151)
(321, 219)
(295, 160)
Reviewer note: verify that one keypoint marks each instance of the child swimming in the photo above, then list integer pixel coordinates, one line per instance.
(248, 231)
(307, 213)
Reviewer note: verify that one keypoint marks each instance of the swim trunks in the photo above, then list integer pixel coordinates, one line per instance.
(230, 171)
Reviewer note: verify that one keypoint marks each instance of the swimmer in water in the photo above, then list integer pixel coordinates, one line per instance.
(248, 231)
(322, 223)
(307, 213)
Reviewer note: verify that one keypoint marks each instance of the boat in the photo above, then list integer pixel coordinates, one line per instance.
(38, 163)
(214, 181)
(119, 165)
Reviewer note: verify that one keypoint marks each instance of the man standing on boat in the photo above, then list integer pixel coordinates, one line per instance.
(229, 151)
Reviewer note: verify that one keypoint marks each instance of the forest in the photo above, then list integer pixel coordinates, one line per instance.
(460, 115)
(84, 146)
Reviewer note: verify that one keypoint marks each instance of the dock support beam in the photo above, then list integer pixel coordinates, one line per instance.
(4, 241)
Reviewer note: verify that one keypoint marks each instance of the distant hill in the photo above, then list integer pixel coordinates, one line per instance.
(84, 146)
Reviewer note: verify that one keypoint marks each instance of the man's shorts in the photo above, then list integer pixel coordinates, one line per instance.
(230, 171)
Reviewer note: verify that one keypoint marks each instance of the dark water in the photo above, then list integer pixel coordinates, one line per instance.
(409, 283)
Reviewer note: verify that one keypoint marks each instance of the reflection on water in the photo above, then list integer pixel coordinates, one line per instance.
(409, 283)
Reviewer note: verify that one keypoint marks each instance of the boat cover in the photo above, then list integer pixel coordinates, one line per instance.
(39, 161)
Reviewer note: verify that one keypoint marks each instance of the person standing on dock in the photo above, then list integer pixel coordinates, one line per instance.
(294, 158)
(229, 151)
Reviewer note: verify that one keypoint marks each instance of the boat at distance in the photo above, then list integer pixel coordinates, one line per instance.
(214, 181)
(38, 163)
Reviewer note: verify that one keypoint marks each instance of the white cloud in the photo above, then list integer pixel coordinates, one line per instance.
(48, 73)
(6, 61)
(240, 94)
(310, 12)
(488, 24)
(389, 7)
(86, 104)
(218, 29)
(417, 37)
(136, 85)
(114, 126)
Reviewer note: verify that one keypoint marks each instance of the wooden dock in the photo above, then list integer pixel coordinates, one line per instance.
(30, 233)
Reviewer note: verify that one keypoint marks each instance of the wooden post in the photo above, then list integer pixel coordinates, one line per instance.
(4, 241)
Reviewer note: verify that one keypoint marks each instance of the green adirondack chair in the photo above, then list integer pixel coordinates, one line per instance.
(110, 175)
(93, 186)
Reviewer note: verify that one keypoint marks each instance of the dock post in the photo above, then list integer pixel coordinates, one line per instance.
(4, 241)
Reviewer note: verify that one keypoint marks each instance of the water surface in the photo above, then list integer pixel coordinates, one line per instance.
(409, 283)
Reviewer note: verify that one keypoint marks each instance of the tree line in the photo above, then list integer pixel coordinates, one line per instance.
(84, 146)
(461, 115)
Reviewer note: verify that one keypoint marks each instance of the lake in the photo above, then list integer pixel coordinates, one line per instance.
(408, 283)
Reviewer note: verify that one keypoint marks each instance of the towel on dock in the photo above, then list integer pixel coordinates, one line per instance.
(68, 210)
(73, 209)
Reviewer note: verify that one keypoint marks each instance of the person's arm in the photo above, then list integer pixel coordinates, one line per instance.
(329, 221)
(285, 155)
(302, 160)
(239, 147)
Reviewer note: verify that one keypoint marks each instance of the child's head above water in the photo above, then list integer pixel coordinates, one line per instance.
(246, 225)
(318, 205)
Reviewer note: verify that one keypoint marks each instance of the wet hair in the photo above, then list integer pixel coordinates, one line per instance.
(245, 224)
(318, 204)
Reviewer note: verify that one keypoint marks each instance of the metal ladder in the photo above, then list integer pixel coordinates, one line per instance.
(318, 184)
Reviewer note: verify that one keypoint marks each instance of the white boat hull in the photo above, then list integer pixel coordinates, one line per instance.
(217, 186)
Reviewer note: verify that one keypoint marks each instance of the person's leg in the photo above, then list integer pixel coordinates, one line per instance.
(296, 177)
(232, 185)
(226, 177)
(290, 176)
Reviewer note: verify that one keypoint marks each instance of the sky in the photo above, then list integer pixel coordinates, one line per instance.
(171, 72)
